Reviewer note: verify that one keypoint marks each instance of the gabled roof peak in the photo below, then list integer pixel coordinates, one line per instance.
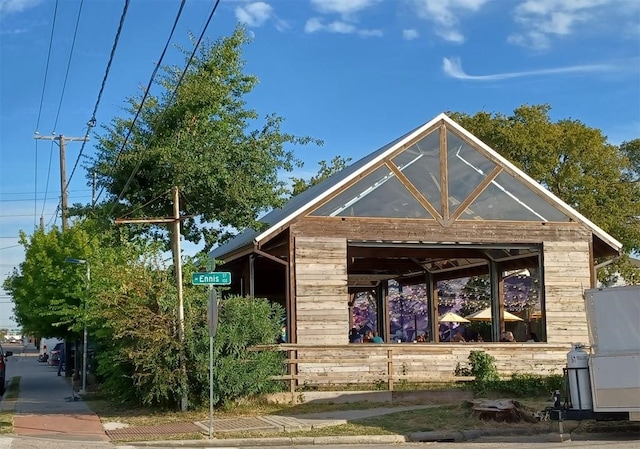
(439, 171)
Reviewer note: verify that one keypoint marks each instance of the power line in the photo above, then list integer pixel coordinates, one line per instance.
(38, 193)
(173, 94)
(66, 75)
(43, 199)
(146, 93)
(46, 186)
(44, 85)
(12, 246)
(46, 70)
(92, 121)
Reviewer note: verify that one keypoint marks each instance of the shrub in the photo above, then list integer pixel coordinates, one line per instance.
(239, 371)
(483, 367)
(523, 385)
(139, 361)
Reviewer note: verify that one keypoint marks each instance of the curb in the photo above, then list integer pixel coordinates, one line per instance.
(422, 437)
(281, 441)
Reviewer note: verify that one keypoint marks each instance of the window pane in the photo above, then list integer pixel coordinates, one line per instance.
(466, 169)
(507, 199)
(421, 164)
(379, 194)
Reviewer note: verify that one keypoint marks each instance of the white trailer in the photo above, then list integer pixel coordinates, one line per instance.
(605, 383)
(613, 317)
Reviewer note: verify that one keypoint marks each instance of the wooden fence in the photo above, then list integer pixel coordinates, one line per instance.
(386, 364)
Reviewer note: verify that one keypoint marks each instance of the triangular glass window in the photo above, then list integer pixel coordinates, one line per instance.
(466, 169)
(379, 194)
(506, 198)
(421, 164)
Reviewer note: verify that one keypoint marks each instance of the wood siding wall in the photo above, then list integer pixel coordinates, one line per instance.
(566, 276)
(430, 362)
(322, 313)
(406, 230)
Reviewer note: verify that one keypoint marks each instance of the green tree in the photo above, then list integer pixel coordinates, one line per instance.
(338, 163)
(48, 292)
(204, 139)
(573, 161)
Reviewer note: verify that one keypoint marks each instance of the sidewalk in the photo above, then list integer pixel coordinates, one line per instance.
(45, 407)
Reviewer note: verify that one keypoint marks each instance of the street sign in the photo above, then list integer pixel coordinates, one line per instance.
(211, 278)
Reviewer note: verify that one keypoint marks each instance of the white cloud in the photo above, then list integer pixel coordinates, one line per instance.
(14, 31)
(445, 15)
(453, 68)
(315, 25)
(543, 19)
(254, 14)
(343, 7)
(13, 6)
(410, 35)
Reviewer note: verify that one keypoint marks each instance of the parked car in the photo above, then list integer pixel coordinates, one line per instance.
(15, 338)
(3, 366)
(55, 354)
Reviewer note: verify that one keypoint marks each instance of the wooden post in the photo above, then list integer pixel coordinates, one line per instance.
(390, 369)
(177, 261)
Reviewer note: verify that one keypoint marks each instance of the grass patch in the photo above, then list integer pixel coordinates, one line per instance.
(6, 412)
(6, 421)
(444, 418)
(14, 388)
(140, 416)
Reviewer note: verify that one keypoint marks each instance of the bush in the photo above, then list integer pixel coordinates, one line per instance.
(238, 371)
(523, 385)
(483, 367)
(138, 348)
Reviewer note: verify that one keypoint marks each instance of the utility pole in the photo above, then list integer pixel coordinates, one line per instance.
(177, 263)
(62, 140)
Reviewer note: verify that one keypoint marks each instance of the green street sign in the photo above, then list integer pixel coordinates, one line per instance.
(211, 278)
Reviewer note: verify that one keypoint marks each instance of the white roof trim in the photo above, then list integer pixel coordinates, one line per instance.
(534, 184)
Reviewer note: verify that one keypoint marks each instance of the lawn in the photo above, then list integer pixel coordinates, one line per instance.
(450, 417)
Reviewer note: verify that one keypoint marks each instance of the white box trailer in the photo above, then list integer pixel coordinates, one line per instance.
(613, 317)
(605, 383)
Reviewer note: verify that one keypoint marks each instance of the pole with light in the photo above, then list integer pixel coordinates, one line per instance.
(84, 332)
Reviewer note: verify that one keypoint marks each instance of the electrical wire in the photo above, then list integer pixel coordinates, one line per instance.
(64, 87)
(146, 93)
(46, 70)
(66, 75)
(173, 95)
(44, 85)
(92, 121)
(46, 186)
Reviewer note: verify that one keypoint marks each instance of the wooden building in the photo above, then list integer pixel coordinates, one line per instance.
(434, 205)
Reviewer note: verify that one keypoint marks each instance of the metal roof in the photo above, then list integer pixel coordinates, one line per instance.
(300, 201)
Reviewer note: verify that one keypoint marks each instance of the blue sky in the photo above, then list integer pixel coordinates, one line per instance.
(354, 73)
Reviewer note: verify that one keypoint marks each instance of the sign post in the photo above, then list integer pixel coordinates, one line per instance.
(211, 278)
(212, 319)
